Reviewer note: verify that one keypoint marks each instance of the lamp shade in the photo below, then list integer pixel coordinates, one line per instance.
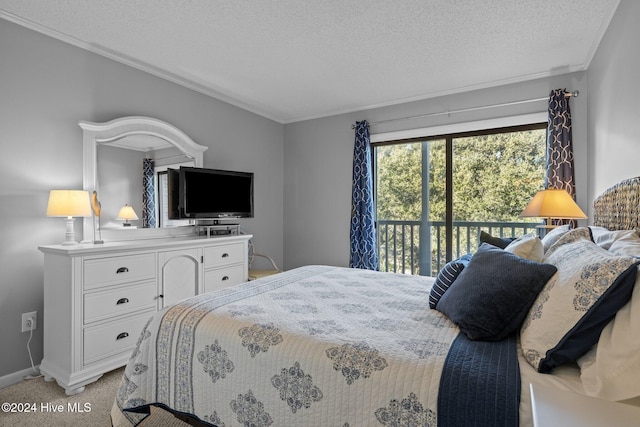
(127, 213)
(553, 203)
(68, 203)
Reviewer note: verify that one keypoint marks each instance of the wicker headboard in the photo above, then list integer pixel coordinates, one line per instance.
(618, 208)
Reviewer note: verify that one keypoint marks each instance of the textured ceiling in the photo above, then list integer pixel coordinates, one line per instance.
(291, 60)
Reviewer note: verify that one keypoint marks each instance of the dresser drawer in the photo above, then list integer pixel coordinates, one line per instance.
(120, 269)
(104, 341)
(215, 256)
(116, 302)
(222, 277)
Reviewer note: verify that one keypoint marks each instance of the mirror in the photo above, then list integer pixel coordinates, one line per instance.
(114, 153)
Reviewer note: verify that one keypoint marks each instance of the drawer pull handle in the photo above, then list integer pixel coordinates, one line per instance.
(225, 255)
(122, 335)
(122, 270)
(161, 296)
(225, 278)
(122, 301)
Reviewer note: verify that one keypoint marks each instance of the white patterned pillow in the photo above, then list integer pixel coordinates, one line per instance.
(554, 235)
(566, 319)
(582, 233)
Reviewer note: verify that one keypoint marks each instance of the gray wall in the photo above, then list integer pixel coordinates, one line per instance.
(46, 87)
(318, 156)
(614, 104)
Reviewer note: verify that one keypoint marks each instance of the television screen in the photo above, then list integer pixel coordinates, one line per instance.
(212, 193)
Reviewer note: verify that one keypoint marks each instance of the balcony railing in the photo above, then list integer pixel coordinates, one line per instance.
(402, 244)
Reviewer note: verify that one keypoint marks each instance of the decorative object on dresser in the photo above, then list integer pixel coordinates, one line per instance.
(97, 298)
(97, 209)
(69, 204)
(127, 214)
(552, 203)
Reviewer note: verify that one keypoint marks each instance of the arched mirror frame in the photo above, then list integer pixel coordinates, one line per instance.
(115, 130)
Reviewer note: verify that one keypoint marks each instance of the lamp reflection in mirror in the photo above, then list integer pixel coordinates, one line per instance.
(551, 204)
(127, 213)
(69, 204)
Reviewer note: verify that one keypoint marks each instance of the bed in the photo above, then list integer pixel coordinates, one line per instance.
(331, 346)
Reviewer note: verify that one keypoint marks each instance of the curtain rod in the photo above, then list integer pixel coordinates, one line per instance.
(574, 94)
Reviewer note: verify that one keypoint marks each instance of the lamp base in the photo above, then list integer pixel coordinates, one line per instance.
(70, 238)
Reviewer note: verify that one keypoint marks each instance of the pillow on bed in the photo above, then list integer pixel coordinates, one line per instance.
(611, 369)
(501, 242)
(627, 243)
(527, 246)
(604, 237)
(493, 294)
(554, 235)
(581, 233)
(566, 319)
(446, 277)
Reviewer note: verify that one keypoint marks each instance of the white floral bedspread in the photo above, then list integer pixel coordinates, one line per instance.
(314, 346)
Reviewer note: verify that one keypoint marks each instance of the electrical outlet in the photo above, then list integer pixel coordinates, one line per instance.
(27, 318)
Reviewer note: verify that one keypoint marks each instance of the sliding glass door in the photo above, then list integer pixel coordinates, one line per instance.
(435, 195)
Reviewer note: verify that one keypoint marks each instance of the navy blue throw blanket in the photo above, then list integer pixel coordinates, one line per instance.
(480, 384)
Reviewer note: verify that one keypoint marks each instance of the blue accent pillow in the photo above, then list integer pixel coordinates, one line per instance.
(492, 296)
(446, 277)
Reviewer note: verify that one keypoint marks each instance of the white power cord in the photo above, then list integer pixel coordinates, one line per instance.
(31, 377)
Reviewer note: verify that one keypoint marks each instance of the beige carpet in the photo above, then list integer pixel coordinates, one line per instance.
(97, 398)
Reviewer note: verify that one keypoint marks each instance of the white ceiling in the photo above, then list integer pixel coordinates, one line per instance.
(291, 60)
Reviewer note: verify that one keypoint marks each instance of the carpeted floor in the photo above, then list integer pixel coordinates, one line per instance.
(95, 402)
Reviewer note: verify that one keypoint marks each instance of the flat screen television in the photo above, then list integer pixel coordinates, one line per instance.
(209, 193)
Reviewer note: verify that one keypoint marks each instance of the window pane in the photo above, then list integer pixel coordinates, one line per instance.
(494, 177)
(406, 175)
(399, 205)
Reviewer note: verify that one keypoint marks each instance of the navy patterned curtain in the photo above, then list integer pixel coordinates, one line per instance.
(148, 196)
(363, 233)
(560, 172)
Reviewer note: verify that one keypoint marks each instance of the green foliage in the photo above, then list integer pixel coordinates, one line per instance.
(494, 177)
(399, 181)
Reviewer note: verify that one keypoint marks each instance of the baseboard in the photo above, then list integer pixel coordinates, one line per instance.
(16, 377)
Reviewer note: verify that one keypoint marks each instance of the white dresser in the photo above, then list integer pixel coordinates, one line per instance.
(97, 298)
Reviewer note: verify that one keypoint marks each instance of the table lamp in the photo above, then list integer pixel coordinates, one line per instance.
(127, 213)
(70, 204)
(552, 203)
